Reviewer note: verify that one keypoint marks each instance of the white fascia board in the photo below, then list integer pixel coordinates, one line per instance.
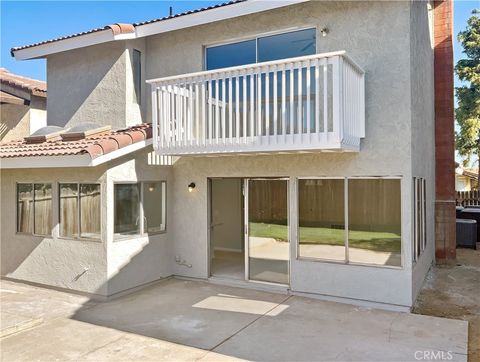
(121, 152)
(46, 161)
(213, 15)
(58, 46)
(163, 26)
(83, 160)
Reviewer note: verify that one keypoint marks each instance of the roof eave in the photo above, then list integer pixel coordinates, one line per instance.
(68, 161)
(156, 27)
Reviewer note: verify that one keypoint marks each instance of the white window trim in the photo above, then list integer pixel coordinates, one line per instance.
(347, 261)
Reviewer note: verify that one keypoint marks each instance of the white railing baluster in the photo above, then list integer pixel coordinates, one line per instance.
(209, 106)
(292, 104)
(300, 103)
(275, 105)
(284, 105)
(259, 105)
(325, 97)
(230, 109)
(267, 104)
(224, 110)
(252, 107)
(317, 99)
(244, 97)
(197, 115)
(237, 110)
(308, 100)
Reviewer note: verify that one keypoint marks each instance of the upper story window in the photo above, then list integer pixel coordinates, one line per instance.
(137, 75)
(262, 49)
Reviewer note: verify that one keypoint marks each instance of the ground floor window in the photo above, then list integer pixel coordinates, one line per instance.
(139, 208)
(80, 211)
(354, 220)
(34, 208)
(419, 217)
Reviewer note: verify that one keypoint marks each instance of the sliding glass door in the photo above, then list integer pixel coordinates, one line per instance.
(267, 231)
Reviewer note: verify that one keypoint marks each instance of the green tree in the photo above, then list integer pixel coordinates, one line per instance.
(467, 113)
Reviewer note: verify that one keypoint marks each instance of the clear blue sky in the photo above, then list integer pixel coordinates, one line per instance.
(26, 22)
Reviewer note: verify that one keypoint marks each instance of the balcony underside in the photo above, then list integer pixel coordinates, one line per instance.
(272, 144)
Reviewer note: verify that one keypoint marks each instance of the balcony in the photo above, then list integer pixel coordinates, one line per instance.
(309, 103)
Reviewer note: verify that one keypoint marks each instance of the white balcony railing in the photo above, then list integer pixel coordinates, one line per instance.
(307, 103)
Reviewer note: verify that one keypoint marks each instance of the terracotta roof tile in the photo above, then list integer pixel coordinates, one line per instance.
(95, 145)
(125, 28)
(33, 86)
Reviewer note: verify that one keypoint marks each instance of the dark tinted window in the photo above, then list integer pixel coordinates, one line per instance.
(231, 55)
(287, 45)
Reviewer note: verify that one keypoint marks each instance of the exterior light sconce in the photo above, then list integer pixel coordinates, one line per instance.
(191, 186)
(324, 31)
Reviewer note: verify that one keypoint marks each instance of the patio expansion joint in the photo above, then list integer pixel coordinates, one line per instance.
(250, 323)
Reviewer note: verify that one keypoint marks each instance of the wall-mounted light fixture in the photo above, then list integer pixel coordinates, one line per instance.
(191, 186)
(324, 31)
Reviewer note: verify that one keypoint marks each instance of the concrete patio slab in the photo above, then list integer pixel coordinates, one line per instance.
(338, 332)
(198, 321)
(184, 312)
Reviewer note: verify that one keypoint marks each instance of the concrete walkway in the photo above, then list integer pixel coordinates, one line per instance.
(178, 320)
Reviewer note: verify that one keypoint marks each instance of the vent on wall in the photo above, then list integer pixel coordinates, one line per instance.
(83, 130)
(44, 134)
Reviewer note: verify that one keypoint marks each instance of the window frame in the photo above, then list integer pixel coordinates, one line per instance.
(33, 233)
(137, 97)
(33, 213)
(79, 212)
(256, 37)
(142, 233)
(419, 232)
(298, 257)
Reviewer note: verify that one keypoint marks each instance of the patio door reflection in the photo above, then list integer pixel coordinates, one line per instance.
(267, 232)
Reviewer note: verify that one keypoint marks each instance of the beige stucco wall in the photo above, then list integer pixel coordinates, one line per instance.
(382, 48)
(18, 121)
(88, 85)
(15, 122)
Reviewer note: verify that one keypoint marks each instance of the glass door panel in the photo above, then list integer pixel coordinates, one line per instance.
(268, 237)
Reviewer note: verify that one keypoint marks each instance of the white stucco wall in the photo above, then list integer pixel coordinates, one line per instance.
(88, 85)
(38, 113)
(53, 261)
(423, 124)
(136, 261)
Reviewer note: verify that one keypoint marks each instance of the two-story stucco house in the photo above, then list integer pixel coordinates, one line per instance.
(283, 145)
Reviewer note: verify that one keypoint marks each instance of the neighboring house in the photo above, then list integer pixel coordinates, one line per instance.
(294, 152)
(23, 105)
(466, 179)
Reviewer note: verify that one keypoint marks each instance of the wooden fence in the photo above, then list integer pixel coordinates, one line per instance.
(468, 198)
